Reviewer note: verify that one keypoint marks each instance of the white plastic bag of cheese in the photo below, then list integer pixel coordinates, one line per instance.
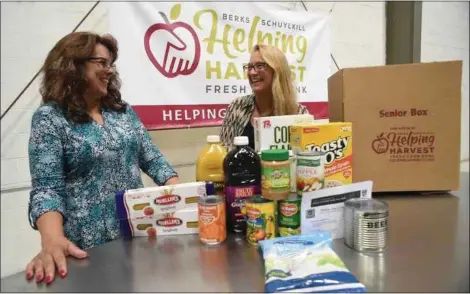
(306, 263)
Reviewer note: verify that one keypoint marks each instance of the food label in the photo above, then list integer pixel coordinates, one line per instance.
(212, 225)
(235, 198)
(289, 218)
(333, 139)
(260, 222)
(276, 179)
(160, 200)
(174, 223)
(324, 209)
(310, 173)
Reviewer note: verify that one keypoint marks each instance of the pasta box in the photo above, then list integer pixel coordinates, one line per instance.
(181, 222)
(152, 201)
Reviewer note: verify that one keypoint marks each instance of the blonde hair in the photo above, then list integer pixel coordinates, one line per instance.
(283, 89)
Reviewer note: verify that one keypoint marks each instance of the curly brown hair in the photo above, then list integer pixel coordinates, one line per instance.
(63, 75)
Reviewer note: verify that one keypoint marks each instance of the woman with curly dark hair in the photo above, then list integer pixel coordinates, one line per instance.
(85, 145)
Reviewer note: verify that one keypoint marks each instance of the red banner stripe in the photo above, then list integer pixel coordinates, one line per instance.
(159, 117)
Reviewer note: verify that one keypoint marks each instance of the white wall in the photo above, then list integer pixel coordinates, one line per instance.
(445, 29)
(29, 30)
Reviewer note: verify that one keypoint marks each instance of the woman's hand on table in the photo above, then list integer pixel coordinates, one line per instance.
(51, 258)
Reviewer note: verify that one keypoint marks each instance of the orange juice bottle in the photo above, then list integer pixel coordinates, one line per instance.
(210, 163)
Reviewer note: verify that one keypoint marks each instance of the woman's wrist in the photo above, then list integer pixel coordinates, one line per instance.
(172, 181)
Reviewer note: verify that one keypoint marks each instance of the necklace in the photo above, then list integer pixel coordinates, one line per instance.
(259, 110)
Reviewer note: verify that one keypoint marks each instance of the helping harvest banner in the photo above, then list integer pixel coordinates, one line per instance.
(182, 63)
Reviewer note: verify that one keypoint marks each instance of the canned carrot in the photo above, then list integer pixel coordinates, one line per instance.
(212, 225)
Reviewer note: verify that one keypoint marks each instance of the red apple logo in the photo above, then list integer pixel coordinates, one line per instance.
(148, 211)
(380, 145)
(173, 48)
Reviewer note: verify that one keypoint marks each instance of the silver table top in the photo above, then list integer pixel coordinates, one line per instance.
(428, 251)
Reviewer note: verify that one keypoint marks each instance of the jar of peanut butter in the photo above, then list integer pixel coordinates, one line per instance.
(275, 174)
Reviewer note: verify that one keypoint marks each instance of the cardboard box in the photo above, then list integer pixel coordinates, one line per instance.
(272, 132)
(406, 121)
(333, 139)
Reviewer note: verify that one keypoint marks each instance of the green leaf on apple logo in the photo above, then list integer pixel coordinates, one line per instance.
(175, 11)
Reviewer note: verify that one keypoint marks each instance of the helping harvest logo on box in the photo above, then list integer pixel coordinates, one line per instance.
(404, 144)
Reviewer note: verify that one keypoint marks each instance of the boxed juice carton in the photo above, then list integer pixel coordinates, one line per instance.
(333, 139)
(407, 121)
(152, 201)
(174, 223)
(272, 132)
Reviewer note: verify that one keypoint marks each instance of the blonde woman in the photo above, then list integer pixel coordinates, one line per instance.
(274, 94)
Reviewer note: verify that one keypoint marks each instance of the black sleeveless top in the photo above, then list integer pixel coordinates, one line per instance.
(249, 131)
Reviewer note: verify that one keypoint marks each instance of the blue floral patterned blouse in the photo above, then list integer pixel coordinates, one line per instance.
(76, 169)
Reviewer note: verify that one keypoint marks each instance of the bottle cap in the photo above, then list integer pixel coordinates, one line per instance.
(210, 188)
(213, 139)
(240, 141)
(275, 154)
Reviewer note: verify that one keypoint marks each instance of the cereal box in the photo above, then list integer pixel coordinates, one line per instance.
(333, 139)
(174, 223)
(136, 203)
(272, 132)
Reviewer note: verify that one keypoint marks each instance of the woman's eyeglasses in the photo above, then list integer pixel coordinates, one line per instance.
(103, 62)
(257, 66)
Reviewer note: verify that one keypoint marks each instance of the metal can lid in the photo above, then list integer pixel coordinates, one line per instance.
(258, 199)
(366, 205)
(310, 153)
(210, 200)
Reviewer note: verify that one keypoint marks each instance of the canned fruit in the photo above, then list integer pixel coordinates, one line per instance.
(212, 220)
(260, 224)
(335, 141)
(260, 228)
(310, 172)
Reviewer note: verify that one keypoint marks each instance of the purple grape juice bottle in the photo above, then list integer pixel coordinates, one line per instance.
(242, 171)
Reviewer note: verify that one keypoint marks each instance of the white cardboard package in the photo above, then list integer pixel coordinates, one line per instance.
(324, 209)
(273, 132)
